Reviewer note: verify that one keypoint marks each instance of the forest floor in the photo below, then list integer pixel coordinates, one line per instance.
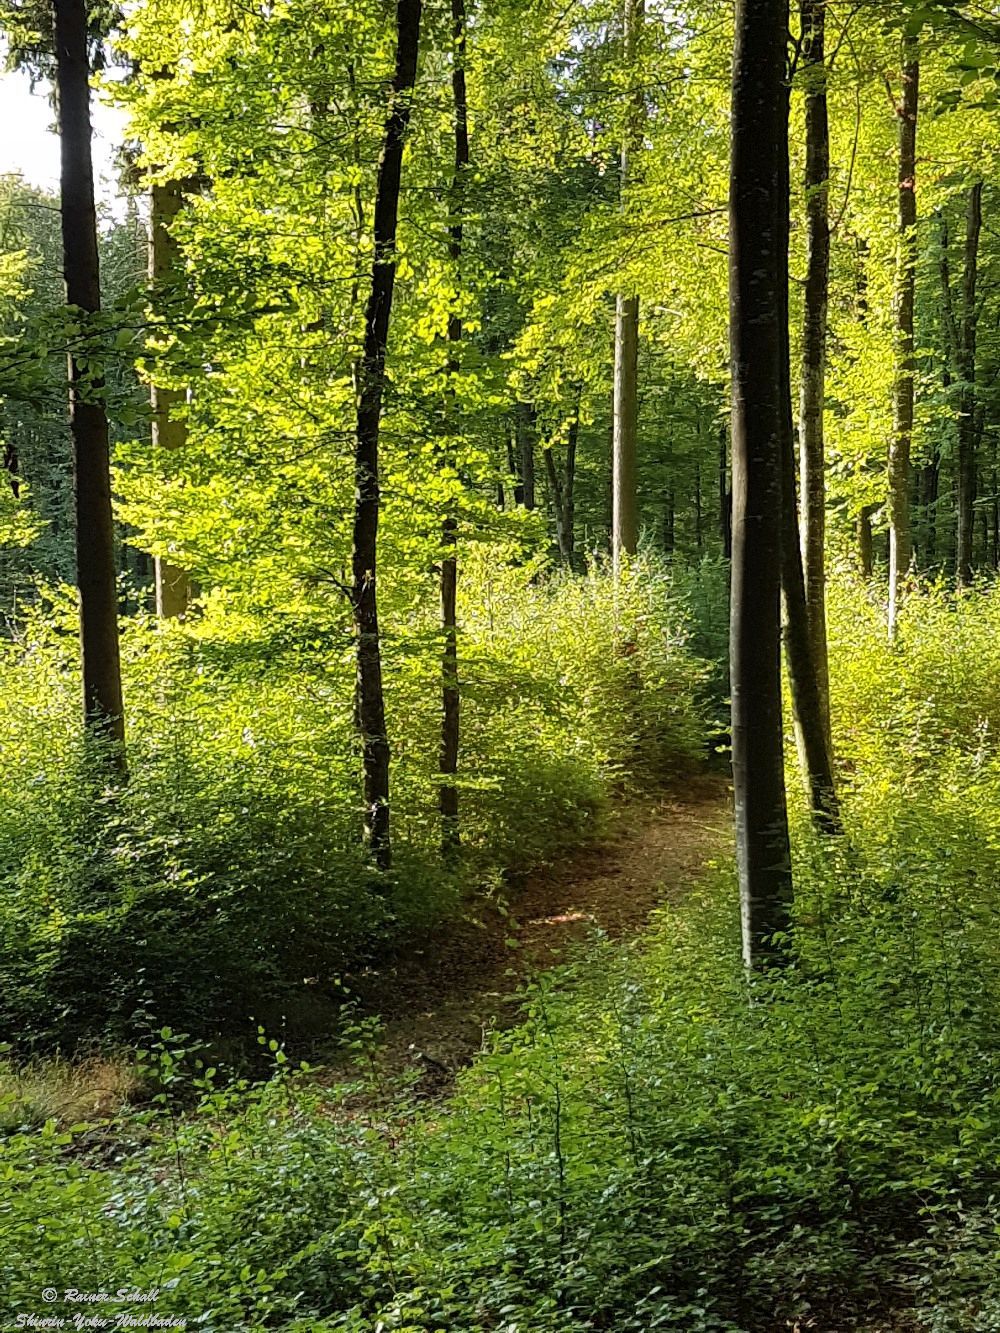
(437, 1003)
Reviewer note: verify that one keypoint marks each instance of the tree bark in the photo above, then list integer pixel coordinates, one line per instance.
(450, 692)
(95, 544)
(966, 366)
(866, 541)
(900, 548)
(172, 583)
(563, 499)
(812, 462)
(625, 412)
(759, 126)
(371, 388)
(526, 443)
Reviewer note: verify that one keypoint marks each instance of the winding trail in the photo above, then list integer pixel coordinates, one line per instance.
(437, 1002)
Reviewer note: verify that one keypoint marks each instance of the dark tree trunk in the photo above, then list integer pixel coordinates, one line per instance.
(563, 497)
(371, 386)
(966, 366)
(698, 535)
(95, 543)
(450, 693)
(812, 462)
(514, 469)
(526, 442)
(903, 391)
(759, 128)
(669, 522)
(12, 466)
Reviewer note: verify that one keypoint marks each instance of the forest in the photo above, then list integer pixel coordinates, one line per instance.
(500, 662)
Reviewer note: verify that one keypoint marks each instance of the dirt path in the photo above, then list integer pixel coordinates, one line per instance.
(437, 1002)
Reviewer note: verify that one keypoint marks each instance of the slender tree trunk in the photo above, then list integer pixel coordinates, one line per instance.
(625, 508)
(563, 501)
(812, 461)
(811, 721)
(450, 693)
(669, 522)
(526, 440)
(371, 386)
(903, 392)
(514, 470)
(173, 585)
(698, 535)
(966, 366)
(95, 544)
(569, 492)
(759, 127)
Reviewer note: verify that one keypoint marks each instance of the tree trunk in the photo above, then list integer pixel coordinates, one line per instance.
(698, 535)
(450, 694)
(95, 543)
(866, 541)
(966, 366)
(625, 415)
(759, 126)
(812, 731)
(903, 392)
(812, 463)
(563, 500)
(371, 386)
(669, 522)
(173, 586)
(526, 441)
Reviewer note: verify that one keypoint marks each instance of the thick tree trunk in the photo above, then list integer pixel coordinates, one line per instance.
(450, 693)
(514, 470)
(812, 462)
(371, 386)
(625, 414)
(172, 583)
(966, 366)
(759, 128)
(95, 545)
(903, 391)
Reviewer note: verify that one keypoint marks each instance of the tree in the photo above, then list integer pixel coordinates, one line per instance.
(759, 387)
(450, 693)
(900, 544)
(95, 544)
(812, 460)
(625, 516)
(371, 388)
(173, 584)
(961, 331)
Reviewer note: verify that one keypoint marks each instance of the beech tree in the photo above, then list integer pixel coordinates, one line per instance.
(812, 450)
(900, 539)
(625, 416)
(758, 331)
(95, 535)
(371, 388)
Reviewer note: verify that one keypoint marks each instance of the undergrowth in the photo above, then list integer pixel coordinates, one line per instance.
(226, 879)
